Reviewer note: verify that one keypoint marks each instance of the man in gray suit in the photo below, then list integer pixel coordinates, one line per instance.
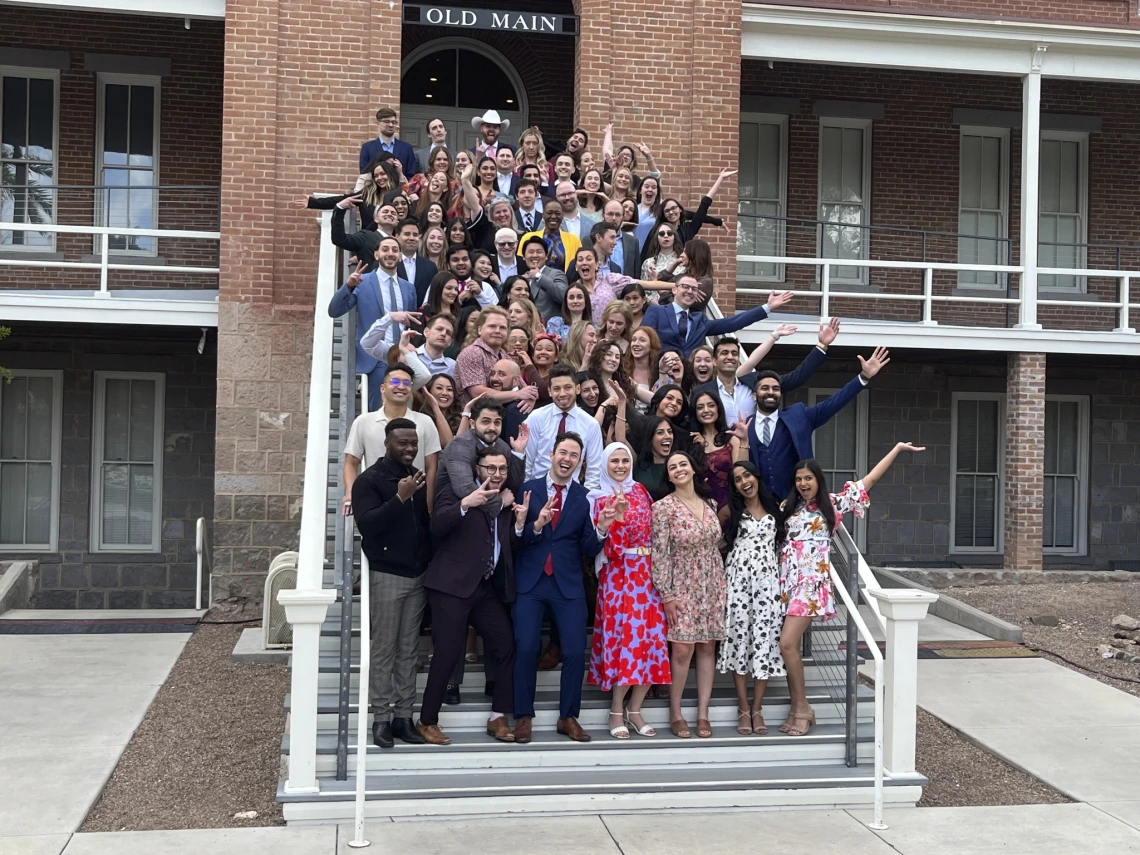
(437, 133)
(626, 257)
(572, 220)
(547, 284)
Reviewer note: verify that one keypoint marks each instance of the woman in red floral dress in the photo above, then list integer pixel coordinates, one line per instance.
(630, 653)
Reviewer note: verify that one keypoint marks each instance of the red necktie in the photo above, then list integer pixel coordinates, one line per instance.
(561, 430)
(558, 488)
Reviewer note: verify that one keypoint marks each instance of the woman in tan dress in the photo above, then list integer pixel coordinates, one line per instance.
(689, 574)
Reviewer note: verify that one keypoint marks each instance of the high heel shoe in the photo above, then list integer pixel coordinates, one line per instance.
(644, 730)
(760, 729)
(619, 732)
(743, 722)
(808, 720)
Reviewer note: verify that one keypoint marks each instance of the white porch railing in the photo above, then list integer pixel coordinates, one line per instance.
(204, 565)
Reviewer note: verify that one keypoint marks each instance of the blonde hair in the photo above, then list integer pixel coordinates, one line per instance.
(534, 323)
(619, 307)
(540, 158)
(572, 352)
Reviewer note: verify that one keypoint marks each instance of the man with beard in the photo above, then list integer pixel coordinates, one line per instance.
(778, 439)
(548, 423)
(473, 367)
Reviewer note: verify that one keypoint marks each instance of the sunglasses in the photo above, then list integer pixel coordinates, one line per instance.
(664, 233)
(397, 382)
(504, 244)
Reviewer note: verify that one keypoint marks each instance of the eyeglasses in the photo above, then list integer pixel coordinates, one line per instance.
(397, 382)
(664, 233)
(494, 470)
(687, 287)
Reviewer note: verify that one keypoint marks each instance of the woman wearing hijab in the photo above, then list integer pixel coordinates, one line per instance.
(629, 652)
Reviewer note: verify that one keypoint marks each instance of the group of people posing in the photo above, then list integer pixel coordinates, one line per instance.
(564, 434)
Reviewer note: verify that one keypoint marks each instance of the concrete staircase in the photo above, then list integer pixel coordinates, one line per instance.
(477, 776)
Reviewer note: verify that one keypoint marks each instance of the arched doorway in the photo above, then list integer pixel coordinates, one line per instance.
(455, 79)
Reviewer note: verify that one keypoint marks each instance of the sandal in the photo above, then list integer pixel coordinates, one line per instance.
(641, 730)
(680, 729)
(619, 732)
(760, 729)
(472, 657)
(743, 729)
(704, 729)
(801, 730)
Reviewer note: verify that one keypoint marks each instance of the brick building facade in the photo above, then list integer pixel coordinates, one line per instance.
(262, 102)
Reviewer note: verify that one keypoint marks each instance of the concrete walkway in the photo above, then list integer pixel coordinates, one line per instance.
(69, 705)
(1078, 735)
(1037, 829)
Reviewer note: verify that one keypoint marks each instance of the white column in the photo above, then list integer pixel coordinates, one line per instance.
(306, 610)
(902, 608)
(1030, 187)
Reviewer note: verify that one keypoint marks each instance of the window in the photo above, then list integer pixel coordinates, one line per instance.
(28, 119)
(458, 77)
(845, 194)
(126, 490)
(127, 160)
(1065, 509)
(30, 420)
(762, 194)
(983, 204)
(1062, 208)
(977, 460)
(841, 449)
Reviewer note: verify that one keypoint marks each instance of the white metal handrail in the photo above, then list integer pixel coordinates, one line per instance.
(877, 656)
(205, 564)
(867, 579)
(358, 840)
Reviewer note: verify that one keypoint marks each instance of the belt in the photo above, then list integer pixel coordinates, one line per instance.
(638, 550)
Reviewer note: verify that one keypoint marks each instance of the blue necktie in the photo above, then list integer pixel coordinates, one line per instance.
(683, 326)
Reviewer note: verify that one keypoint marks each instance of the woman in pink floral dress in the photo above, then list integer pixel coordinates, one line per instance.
(805, 565)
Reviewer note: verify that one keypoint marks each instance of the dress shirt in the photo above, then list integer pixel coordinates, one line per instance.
(409, 267)
(389, 286)
(507, 269)
(550, 492)
(740, 403)
(443, 365)
(773, 418)
(387, 146)
(503, 182)
(543, 423)
(618, 257)
(494, 539)
(572, 225)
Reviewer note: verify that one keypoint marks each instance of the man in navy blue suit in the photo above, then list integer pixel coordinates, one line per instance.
(386, 141)
(779, 439)
(554, 524)
(682, 328)
(381, 294)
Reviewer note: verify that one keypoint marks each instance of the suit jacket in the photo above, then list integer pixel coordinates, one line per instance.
(464, 547)
(801, 421)
(457, 469)
(631, 258)
(537, 227)
(663, 319)
(368, 301)
(547, 291)
(788, 382)
(422, 157)
(567, 544)
(425, 270)
(570, 245)
(362, 243)
(401, 150)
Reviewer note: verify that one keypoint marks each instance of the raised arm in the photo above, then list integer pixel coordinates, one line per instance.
(753, 360)
(608, 145)
(872, 477)
(724, 173)
(739, 321)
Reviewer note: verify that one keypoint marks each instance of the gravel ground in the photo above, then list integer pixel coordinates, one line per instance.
(208, 747)
(1085, 612)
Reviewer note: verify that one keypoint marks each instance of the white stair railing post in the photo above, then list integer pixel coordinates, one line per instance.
(902, 609)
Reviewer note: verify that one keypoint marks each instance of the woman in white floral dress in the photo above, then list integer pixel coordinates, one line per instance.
(805, 566)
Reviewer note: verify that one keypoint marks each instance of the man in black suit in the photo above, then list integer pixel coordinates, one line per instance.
(362, 243)
(437, 133)
(469, 579)
(390, 509)
(414, 267)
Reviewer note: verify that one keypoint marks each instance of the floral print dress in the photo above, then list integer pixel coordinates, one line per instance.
(629, 623)
(805, 560)
(755, 613)
(688, 569)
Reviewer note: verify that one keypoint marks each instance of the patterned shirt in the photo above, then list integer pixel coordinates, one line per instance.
(473, 367)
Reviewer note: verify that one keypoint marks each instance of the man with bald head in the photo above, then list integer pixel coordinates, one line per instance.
(505, 375)
(572, 220)
(626, 257)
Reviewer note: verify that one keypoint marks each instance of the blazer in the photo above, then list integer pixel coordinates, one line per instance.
(631, 258)
(537, 227)
(425, 270)
(663, 320)
(547, 290)
(362, 243)
(401, 150)
(788, 382)
(571, 243)
(457, 469)
(464, 547)
(368, 301)
(567, 544)
(422, 157)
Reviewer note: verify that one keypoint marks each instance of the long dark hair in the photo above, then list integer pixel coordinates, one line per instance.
(645, 453)
(822, 496)
(434, 303)
(700, 485)
(721, 424)
(467, 241)
(681, 422)
(619, 376)
(453, 414)
(699, 254)
(736, 503)
(472, 308)
(688, 377)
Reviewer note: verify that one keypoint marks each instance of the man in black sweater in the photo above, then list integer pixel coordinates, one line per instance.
(390, 508)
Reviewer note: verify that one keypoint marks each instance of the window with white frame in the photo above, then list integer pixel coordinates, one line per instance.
(29, 113)
(127, 159)
(762, 194)
(1065, 510)
(30, 421)
(983, 204)
(977, 459)
(841, 449)
(126, 490)
(1063, 208)
(845, 194)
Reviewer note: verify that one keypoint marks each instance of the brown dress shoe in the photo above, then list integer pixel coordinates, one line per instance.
(432, 734)
(498, 728)
(550, 657)
(570, 727)
(522, 729)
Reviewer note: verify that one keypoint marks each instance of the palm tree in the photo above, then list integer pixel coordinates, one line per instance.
(26, 196)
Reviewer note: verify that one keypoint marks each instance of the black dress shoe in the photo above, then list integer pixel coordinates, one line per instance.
(489, 689)
(382, 734)
(404, 730)
(451, 696)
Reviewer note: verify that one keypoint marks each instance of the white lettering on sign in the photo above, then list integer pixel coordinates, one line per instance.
(498, 20)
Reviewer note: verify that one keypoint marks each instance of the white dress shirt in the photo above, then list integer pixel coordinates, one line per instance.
(740, 403)
(503, 182)
(389, 288)
(543, 423)
(573, 225)
(409, 268)
(773, 419)
(506, 269)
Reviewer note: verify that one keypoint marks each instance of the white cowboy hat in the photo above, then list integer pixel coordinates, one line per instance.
(491, 117)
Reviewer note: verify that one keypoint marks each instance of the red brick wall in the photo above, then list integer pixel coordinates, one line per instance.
(1098, 13)
(1024, 460)
(189, 140)
(915, 149)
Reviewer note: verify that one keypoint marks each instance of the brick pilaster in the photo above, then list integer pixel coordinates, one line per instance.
(1024, 460)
